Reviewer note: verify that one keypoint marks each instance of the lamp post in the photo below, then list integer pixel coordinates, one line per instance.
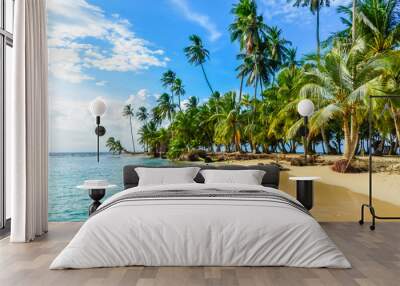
(98, 108)
(305, 109)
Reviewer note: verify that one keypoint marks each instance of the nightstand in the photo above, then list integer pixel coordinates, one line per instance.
(96, 190)
(305, 190)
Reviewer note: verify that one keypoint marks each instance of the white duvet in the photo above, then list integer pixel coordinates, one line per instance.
(202, 232)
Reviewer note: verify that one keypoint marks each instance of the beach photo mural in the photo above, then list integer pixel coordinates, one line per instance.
(219, 82)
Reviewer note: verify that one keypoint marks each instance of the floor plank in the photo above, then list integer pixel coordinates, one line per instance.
(375, 257)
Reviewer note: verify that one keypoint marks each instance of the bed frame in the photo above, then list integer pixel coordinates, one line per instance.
(270, 179)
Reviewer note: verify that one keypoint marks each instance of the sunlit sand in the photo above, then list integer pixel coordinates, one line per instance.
(338, 197)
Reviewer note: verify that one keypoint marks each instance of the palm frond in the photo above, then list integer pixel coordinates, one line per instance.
(321, 117)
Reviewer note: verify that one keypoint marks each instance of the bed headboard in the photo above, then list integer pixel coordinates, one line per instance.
(271, 177)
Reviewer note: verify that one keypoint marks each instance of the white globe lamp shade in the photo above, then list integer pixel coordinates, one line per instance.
(305, 108)
(98, 107)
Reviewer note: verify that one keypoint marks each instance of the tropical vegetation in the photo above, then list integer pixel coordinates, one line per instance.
(114, 146)
(347, 68)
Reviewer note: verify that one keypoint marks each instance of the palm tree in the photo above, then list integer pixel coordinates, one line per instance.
(291, 59)
(244, 69)
(248, 28)
(110, 143)
(129, 112)
(343, 91)
(168, 81)
(143, 137)
(344, 36)
(148, 135)
(256, 66)
(164, 109)
(179, 90)
(259, 66)
(198, 55)
(282, 111)
(114, 146)
(377, 22)
(192, 103)
(278, 49)
(228, 128)
(315, 7)
(142, 114)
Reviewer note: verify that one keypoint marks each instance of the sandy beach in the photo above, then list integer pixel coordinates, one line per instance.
(338, 196)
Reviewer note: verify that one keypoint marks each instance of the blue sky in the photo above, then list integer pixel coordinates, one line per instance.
(117, 50)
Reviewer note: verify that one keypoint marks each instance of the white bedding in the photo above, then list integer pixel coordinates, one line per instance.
(200, 231)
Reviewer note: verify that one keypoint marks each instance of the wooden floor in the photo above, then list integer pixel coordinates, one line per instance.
(375, 257)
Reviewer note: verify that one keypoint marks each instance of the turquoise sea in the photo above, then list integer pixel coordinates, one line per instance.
(68, 170)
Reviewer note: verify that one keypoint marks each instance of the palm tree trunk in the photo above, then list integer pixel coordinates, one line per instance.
(237, 141)
(255, 95)
(241, 90)
(396, 120)
(353, 27)
(325, 141)
(205, 76)
(346, 131)
(338, 143)
(351, 136)
(133, 142)
(254, 116)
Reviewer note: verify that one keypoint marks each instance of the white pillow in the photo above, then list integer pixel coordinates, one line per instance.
(247, 177)
(166, 176)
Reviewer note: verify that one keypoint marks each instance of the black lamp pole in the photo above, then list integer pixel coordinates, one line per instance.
(100, 131)
(98, 138)
(305, 138)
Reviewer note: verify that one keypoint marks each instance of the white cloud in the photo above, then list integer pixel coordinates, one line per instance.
(101, 83)
(81, 37)
(68, 110)
(285, 11)
(184, 104)
(200, 19)
(65, 63)
(142, 98)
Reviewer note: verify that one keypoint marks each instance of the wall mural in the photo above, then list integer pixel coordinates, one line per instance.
(180, 80)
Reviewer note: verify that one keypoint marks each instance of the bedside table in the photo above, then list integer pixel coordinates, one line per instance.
(97, 190)
(305, 190)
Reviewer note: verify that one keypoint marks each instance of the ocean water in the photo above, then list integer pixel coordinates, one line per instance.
(68, 170)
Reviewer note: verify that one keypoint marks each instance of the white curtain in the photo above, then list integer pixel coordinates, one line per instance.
(29, 123)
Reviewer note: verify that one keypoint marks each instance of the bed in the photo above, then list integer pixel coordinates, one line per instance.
(197, 224)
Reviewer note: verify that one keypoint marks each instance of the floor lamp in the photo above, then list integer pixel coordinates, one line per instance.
(370, 205)
(98, 108)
